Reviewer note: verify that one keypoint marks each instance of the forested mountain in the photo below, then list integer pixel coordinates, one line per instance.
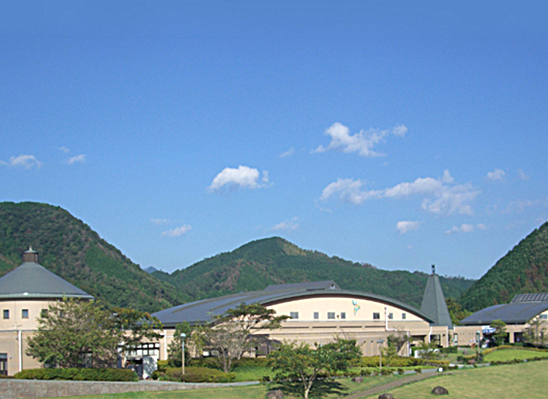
(274, 260)
(70, 249)
(522, 270)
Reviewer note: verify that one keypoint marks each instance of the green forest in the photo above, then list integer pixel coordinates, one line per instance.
(523, 270)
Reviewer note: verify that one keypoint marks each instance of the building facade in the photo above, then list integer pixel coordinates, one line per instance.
(25, 292)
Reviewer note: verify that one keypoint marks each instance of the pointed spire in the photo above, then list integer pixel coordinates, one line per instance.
(433, 301)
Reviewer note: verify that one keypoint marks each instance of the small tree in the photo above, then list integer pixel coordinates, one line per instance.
(230, 335)
(174, 350)
(75, 334)
(302, 364)
(429, 351)
(535, 334)
(500, 331)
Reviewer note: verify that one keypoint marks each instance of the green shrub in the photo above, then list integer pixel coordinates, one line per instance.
(209, 362)
(162, 365)
(78, 374)
(449, 349)
(365, 372)
(204, 374)
(401, 371)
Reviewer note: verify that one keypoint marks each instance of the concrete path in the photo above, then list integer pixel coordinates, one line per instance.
(394, 384)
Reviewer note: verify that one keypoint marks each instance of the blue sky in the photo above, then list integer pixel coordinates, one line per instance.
(392, 133)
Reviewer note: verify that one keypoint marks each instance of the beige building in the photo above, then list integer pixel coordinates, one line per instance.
(24, 293)
(320, 311)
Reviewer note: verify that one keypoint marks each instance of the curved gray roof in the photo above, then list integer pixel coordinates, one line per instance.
(510, 313)
(32, 281)
(203, 311)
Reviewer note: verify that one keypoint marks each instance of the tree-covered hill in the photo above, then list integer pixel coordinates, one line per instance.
(69, 248)
(274, 260)
(522, 270)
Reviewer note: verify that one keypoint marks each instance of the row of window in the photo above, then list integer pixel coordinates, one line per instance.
(24, 313)
(342, 316)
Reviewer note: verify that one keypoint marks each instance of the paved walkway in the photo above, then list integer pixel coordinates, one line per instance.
(394, 384)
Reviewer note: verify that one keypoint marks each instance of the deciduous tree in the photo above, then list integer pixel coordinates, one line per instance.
(300, 364)
(230, 335)
(535, 334)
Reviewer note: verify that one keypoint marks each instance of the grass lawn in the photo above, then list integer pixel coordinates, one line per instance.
(330, 390)
(510, 354)
(525, 380)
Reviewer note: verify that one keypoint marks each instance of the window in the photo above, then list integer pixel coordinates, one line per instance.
(294, 315)
(6, 313)
(543, 316)
(404, 316)
(331, 315)
(390, 316)
(44, 312)
(343, 315)
(316, 315)
(3, 364)
(376, 316)
(25, 313)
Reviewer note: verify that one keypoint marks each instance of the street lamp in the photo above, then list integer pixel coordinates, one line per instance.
(183, 336)
(380, 342)
(478, 335)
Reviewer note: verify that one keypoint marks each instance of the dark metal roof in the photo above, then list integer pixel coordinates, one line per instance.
(433, 302)
(510, 313)
(308, 286)
(539, 297)
(203, 311)
(32, 281)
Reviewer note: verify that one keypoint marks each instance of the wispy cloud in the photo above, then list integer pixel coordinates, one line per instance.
(466, 228)
(522, 176)
(242, 177)
(288, 153)
(23, 162)
(77, 159)
(362, 142)
(441, 197)
(64, 149)
(288, 225)
(178, 231)
(407, 225)
(496, 175)
(520, 205)
(159, 221)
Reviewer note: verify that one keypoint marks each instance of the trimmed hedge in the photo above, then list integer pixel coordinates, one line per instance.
(75, 374)
(194, 374)
(399, 362)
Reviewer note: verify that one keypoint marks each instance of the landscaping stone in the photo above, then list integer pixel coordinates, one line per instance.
(386, 396)
(440, 391)
(276, 394)
(359, 380)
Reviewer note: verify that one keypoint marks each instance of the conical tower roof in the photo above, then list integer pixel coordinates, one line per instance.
(31, 280)
(433, 302)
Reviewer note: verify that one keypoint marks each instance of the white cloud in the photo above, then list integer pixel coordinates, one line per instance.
(289, 225)
(441, 197)
(288, 153)
(407, 225)
(523, 176)
(64, 149)
(520, 205)
(496, 175)
(179, 231)
(23, 161)
(362, 142)
(466, 228)
(78, 158)
(159, 221)
(242, 177)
